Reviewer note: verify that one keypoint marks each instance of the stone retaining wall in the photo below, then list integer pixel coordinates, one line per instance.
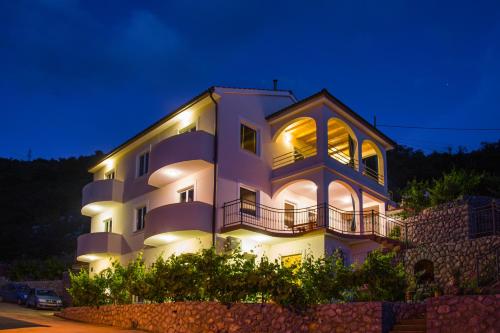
(463, 314)
(201, 317)
(444, 236)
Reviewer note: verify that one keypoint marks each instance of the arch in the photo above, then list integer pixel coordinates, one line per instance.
(345, 207)
(424, 271)
(298, 203)
(342, 143)
(294, 141)
(295, 182)
(289, 123)
(373, 161)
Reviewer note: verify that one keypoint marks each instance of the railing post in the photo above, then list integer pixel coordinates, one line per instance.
(373, 222)
(241, 210)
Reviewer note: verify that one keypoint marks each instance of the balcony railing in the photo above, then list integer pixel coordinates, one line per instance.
(486, 220)
(341, 157)
(373, 174)
(298, 221)
(298, 154)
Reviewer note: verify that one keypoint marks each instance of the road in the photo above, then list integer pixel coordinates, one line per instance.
(14, 318)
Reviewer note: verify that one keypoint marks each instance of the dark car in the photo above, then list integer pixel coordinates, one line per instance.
(43, 299)
(14, 292)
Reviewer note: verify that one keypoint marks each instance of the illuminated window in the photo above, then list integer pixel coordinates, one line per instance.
(248, 199)
(143, 164)
(187, 129)
(140, 218)
(186, 195)
(248, 139)
(108, 225)
(110, 174)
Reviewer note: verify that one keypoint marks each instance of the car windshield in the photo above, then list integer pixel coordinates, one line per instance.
(46, 293)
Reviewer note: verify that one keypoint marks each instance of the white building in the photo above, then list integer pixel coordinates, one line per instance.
(252, 168)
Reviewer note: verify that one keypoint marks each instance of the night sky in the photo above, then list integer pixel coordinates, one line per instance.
(79, 76)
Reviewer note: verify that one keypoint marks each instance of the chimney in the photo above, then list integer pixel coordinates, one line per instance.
(275, 84)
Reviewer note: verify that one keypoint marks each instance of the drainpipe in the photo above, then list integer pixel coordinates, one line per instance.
(216, 155)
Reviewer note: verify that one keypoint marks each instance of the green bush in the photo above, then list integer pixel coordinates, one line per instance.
(240, 277)
(419, 195)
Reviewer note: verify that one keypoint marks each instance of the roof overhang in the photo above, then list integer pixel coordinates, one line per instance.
(203, 98)
(324, 97)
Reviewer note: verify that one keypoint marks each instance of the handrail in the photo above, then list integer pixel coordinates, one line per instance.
(374, 174)
(341, 157)
(300, 220)
(486, 220)
(297, 154)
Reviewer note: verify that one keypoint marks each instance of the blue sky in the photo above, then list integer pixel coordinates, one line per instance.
(79, 76)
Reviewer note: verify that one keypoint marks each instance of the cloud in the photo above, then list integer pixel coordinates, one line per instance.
(144, 39)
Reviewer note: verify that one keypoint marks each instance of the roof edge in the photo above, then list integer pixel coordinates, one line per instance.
(155, 125)
(324, 92)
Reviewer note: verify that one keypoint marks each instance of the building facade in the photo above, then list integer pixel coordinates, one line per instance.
(248, 168)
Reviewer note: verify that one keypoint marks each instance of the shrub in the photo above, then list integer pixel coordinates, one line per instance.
(383, 278)
(239, 277)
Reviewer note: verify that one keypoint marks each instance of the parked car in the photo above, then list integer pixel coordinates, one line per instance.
(43, 299)
(14, 292)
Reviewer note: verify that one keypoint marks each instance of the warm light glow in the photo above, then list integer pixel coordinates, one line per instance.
(95, 208)
(109, 163)
(287, 137)
(172, 172)
(88, 258)
(312, 187)
(185, 118)
(346, 200)
(261, 238)
(167, 238)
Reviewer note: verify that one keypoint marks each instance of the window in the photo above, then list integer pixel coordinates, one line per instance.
(108, 225)
(110, 174)
(248, 139)
(186, 195)
(289, 214)
(187, 129)
(248, 199)
(143, 164)
(140, 218)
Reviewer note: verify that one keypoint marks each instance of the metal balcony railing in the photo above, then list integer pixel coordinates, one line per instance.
(373, 174)
(485, 220)
(297, 154)
(341, 157)
(297, 221)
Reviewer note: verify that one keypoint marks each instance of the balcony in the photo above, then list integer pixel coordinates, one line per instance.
(241, 214)
(180, 155)
(174, 222)
(98, 245)
(101, 194)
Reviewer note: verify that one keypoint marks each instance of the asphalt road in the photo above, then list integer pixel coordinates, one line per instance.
(15, 318)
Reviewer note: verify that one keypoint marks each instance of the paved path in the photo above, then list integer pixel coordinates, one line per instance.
(14, 318)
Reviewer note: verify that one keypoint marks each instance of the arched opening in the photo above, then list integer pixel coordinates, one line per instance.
(342, 143)
(424, 271)
(295, 142)
(373, 162)
(297, 205)
(344, 215)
